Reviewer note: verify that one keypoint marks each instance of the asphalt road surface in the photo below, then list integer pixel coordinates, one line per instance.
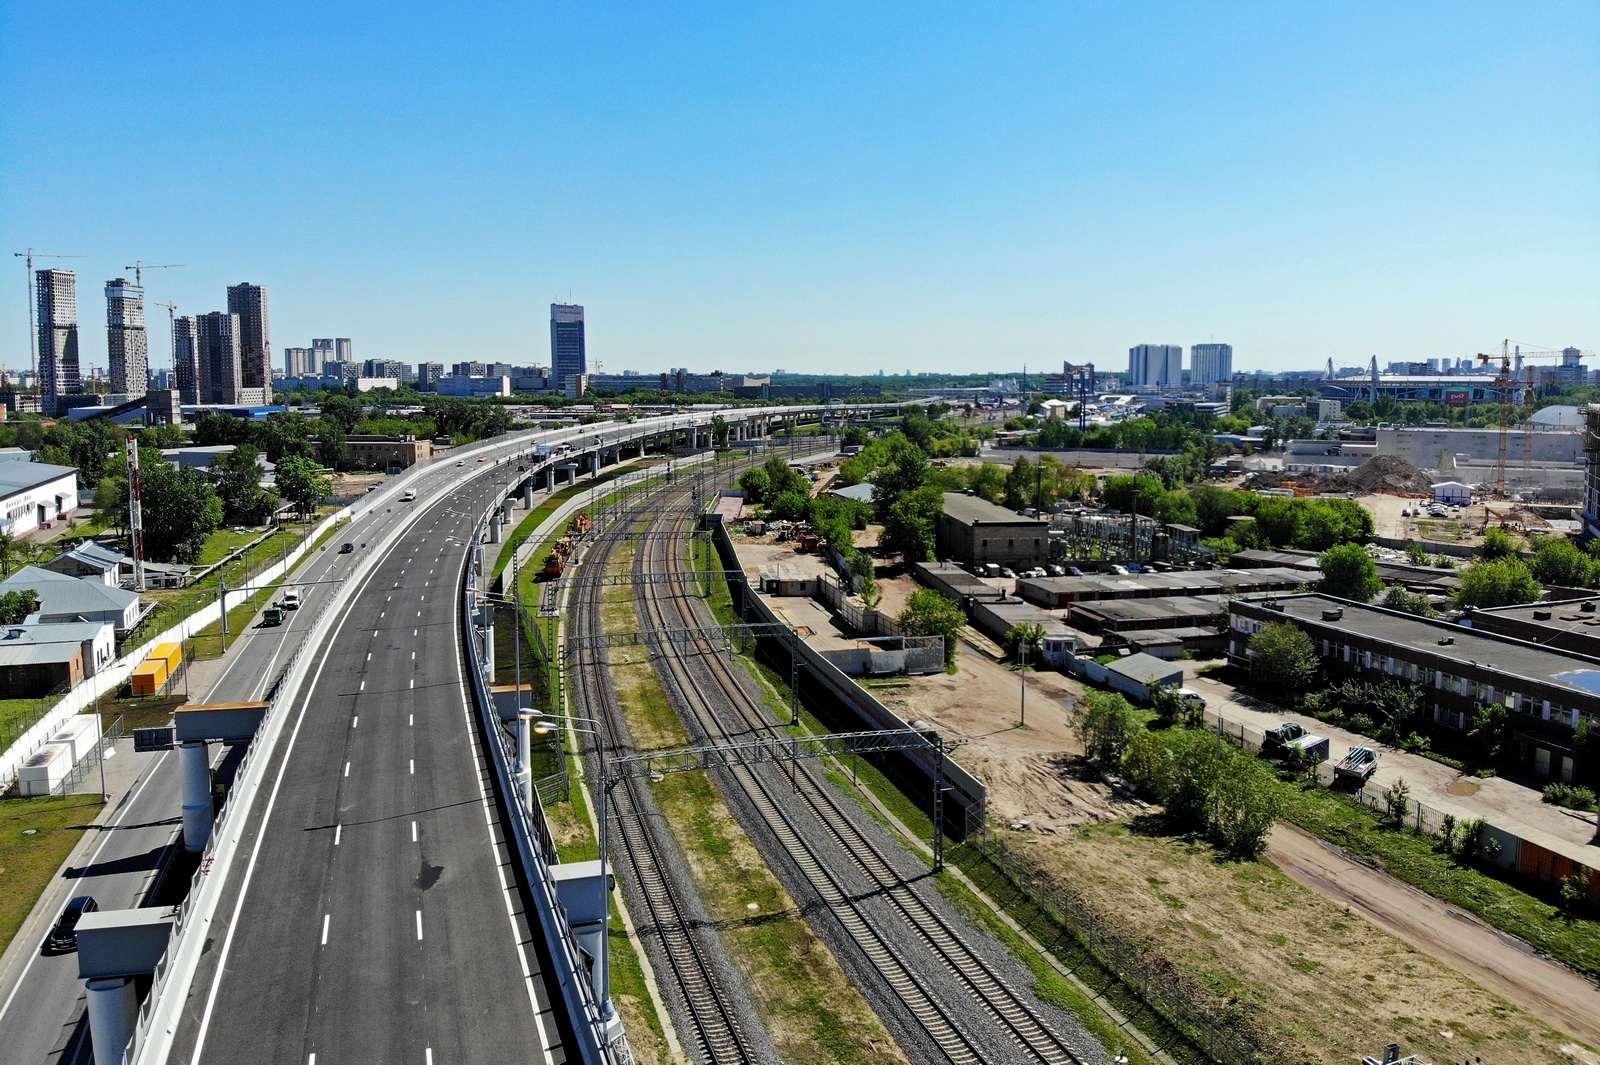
(42, 1018)
(375, 918)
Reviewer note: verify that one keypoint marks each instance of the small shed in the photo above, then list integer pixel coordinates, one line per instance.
(1137, 674)
(1453, 493)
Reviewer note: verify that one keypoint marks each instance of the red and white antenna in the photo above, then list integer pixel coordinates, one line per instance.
(135, 519)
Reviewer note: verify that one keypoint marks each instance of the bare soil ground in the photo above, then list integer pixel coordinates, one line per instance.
(1323, 984)
(1033, 772)
(1326, 956)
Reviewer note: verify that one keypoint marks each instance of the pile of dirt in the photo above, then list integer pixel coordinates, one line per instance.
(1388, 473)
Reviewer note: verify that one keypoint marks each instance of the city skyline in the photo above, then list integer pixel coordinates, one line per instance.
(979, 193)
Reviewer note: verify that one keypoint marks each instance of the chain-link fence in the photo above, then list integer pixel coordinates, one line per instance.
(1219, 1033)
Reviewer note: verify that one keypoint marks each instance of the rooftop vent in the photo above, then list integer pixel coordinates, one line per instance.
(1587, 608)
(1541, 615)
(1446, 641)
(1333, 615)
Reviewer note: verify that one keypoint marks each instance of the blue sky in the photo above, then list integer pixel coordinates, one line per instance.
(823, 187)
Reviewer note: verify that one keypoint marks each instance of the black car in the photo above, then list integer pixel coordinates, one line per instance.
(345, 549)
(64, 936)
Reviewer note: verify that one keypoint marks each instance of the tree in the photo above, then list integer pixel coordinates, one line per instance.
(909, 526)
(1559, 561)
(855, 436)
(1349, 573)
(180, 509)
(719, 431)
(239, 486)
(12, 552)
(332, 451)
(1149, 765)
(15, 606)
(905, 471)
(790, 506)
(1498, 543)
(1491, 731)
(302, 484)
(1398, 598)
(756, 484)
(928, 613)
(1241, 807)
(1105, 723)
(1281, 654)
(1027, 634)
(1503, 583)
(343, 410)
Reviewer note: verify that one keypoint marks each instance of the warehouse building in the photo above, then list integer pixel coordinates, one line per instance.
(1061, 592)
(1460, 669)
(34, 494)
(72, 599)
(972, 529)
(1166, 612)
(1570, 625)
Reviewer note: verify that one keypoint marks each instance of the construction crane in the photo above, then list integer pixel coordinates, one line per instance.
(33, 309)
(172, 328)
(1512, 359)
(139, 267)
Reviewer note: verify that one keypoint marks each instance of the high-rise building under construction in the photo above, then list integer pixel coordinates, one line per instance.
(57, 292)
(127, 342)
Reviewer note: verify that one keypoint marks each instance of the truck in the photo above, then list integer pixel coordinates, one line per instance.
(291, 599)
(1357, 767)
(1293, 736)
(273, 615)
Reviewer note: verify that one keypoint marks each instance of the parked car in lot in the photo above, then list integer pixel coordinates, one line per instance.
(64, 936)
(1074, 571)
(1119, 571)
(1056, 571)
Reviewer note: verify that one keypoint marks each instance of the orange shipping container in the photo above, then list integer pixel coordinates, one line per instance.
(150, 675)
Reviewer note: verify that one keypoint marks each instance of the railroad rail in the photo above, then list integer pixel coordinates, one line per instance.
(715, 703)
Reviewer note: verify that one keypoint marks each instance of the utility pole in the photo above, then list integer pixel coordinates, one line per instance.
(33, 308)
(1022, 672)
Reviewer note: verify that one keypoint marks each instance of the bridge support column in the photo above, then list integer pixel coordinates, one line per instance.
(194, 758)
(507, 507)
(494, 527)
(113, 1012)
(524, 753)
(527, 495)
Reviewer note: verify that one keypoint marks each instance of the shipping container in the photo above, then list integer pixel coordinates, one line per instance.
(45, 769)
(149, 676)
(81, 732)
(171, 653)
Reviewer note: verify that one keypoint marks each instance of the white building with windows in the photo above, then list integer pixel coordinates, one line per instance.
(34, 494)
(1155, 365)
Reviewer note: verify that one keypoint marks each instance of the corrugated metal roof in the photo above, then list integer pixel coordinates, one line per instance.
(62, 594)
(18, 477)
(970, 509)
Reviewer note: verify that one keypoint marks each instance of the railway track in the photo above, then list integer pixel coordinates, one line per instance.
(707, 1017)
(719, 705)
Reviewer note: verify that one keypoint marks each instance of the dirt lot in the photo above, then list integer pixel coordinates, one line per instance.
(1300, 951)
(1030, 771)
(1324, 984)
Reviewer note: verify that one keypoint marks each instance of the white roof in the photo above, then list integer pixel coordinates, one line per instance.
(20, 476)
(1451, 484)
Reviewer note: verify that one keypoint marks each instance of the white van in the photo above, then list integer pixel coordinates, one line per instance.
(410, 496)
(291, 599)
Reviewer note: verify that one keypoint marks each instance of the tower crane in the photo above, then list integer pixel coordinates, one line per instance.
(139, 267)
(172, 328)
(33, 309)
(1512, 360)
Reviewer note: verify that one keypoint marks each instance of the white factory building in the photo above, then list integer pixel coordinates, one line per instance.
(34, 494)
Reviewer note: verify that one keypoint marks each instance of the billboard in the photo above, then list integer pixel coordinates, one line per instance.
(1458, 397)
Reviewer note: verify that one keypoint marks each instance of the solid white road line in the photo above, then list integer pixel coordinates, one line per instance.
(428, 1056)
(325, 928)
(413, 832)
(413, 763)
(411, 719)
(419, 924)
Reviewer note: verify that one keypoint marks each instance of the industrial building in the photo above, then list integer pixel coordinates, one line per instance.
(34, 494)
(70, 599)
(1569, 625)
(1460, 669)
(974, 530)
(387, 452)
(1167, 612)
(1061, 592)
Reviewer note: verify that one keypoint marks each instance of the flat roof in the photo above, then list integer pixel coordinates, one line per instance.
(1502, 654)
(1565, 615)
(1203, 580)
(970, 510)
(1166, 606)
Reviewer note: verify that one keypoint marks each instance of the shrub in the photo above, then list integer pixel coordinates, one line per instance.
(1571, 796)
